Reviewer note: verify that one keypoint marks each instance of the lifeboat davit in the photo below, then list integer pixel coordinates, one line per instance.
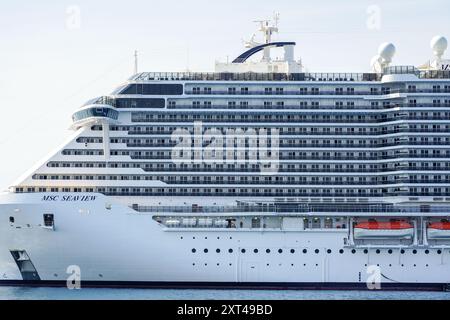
(439, 230)
(380, 230)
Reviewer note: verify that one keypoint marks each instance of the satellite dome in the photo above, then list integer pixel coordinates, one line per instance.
(386, 51)
(439, 45)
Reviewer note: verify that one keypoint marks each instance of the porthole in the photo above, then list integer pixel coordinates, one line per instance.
(193, 238)
(230, 250)
(268, 251)
(255, 251)
(206, 264)
(317, 251)
(402, 251)
(305, 251)
(414, 251)
(218, 264)
(193, 264)
(218, 250)
(439, 251)
(366, 251)
(205, 251)
(415, 265)
(390, 251)
(280, 251)
(181, 238)
(341, 251)
(292, 251)
(427, 251)
(194, 250)
(329, 251)
(378, 251)
(353, 251)
(243, 250)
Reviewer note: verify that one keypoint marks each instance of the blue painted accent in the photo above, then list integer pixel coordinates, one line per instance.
(243, 57)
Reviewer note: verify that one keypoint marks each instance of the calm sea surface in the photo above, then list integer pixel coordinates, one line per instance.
(20, 293)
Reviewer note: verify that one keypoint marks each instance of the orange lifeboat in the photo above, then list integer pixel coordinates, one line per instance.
(439, 230)
(379, 230)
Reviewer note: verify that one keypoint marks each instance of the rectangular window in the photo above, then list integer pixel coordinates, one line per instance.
(154, 89)
(141, 103)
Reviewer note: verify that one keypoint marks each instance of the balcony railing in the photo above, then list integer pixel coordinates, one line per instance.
(350, 77)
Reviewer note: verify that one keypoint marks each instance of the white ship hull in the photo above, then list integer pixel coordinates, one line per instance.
(120, 246)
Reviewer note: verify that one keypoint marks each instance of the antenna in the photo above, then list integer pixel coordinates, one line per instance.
(276, 18)
(267, 28)
(135, 61)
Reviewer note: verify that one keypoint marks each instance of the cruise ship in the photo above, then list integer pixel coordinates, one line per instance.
(258, 175)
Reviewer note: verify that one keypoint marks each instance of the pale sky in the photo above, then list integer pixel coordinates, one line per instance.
(55, 55)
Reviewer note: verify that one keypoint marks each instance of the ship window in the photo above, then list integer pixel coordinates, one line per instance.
(154, 89)
(230, 250)
(49, 220)
(292, 251)
(205, 251)
(305, 251)
(140, 103)
(268, 251)
(256, 223)
(280, 251)
(243, 250)
(11, 219)
(255, 251)
(317, 251)
(194, 250)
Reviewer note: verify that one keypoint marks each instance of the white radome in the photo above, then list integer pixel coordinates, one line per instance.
(386, 51)
(439, 45)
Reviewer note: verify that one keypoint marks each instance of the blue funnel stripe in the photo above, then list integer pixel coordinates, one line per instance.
(243, 57)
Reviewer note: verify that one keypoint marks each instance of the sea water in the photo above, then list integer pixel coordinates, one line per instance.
(32, 293)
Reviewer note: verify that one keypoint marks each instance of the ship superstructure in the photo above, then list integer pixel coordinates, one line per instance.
(260, 174)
